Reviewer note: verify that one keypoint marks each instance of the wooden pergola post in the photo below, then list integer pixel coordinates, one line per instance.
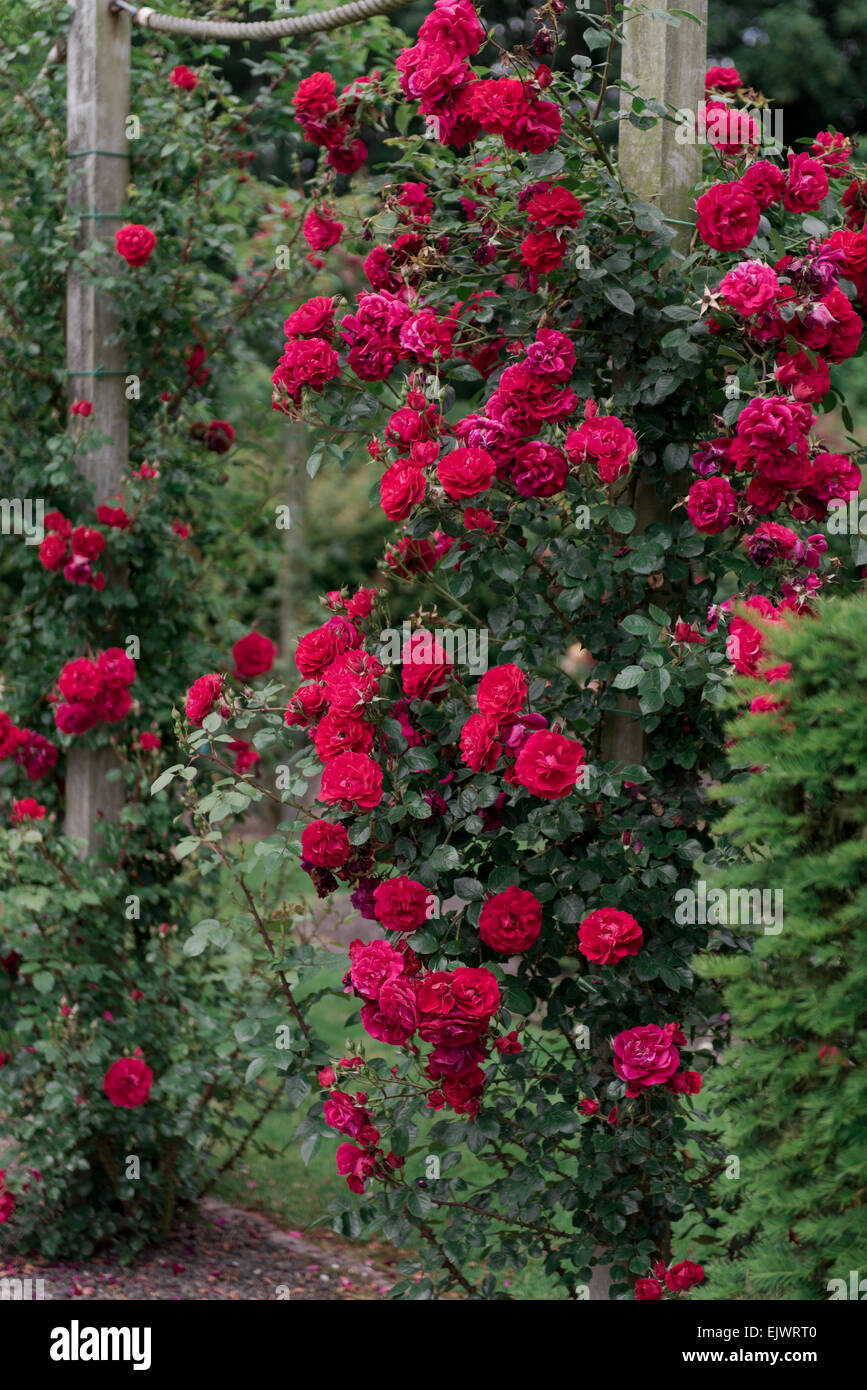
(98, 78)
(661, 62)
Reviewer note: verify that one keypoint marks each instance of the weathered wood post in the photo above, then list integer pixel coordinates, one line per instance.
(98, 81)
(661, 62)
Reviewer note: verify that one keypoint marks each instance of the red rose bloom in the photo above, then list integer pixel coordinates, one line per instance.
(502, 692)
(127, 1082)
(401, 488)
(607, 935)
(80, 680)
(253, 655)
(305, 706)
(722, 80)
(466, 472)
(341, 733)
(728, 217)
(542, 252)
(318, 649)
(320, 231)
(764, 181)
(647, 1290)
(425, 667)
(479, 747)
(27, 809)
(712, 505)
(548, 764)
(511, 921)
(184, 78)
(374, 963)
(401, 904)
(554, 207)
(135, 243)
(806, 185)
(325, 844)
(202, 695)
(645, 1056)
(352, 779)
(683, 1276)
(606, 440)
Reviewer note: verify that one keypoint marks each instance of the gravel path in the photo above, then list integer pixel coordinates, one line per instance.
(228, 1254)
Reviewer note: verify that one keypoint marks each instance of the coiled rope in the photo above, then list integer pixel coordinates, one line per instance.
(313, 23)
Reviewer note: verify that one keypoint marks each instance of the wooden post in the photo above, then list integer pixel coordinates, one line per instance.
(661, 62)
(98, 80)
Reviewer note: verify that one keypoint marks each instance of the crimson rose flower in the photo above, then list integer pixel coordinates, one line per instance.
(548, 764)
(135, 243)
(401, 904)
(253, 655)
(728, 217)
(127, 1082)
(511, 921)
(645, 1056)
(202, 696)
(184, 78)
(502, 692)
(683, 1276)
(647, 1289)
(325, 844)
(712, 505)
(466, 472)
(352, 778)
(607, 935)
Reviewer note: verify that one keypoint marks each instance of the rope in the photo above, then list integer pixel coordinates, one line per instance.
(314, 23)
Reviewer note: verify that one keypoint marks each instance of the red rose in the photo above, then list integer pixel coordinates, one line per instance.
(52, 551)
(315, 97)
(606, 440)
(184, 78)
(253, 655)
(315, 319)
(466, 472)
(688, 1083)
(745, 643)
(353, 779)
(554, 207)
(607, 935)
(373, 964)
(342, 733)
(80, 680)
(135, 243)
(683, 1276)
(750, 287)
(511, 921)
(645, 1056)
(307, 363)
(548, 764)
(722, 80)
(401, 904)
(542, 252)
(502, 692)
(712, 505)
(305, 706)
(806, 185)
(647, 1289)
(325, 844)
(401, 487)
(127, 1082)
(425, 667)
(218, 436)
(27, 809)
(320, 231)
(75, 718)
(478, 742)
(202, 696)
(728, 217)
(318, 649)
(764, 181)
(116, 668)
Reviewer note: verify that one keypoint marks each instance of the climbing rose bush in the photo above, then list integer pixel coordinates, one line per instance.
(603, 462)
